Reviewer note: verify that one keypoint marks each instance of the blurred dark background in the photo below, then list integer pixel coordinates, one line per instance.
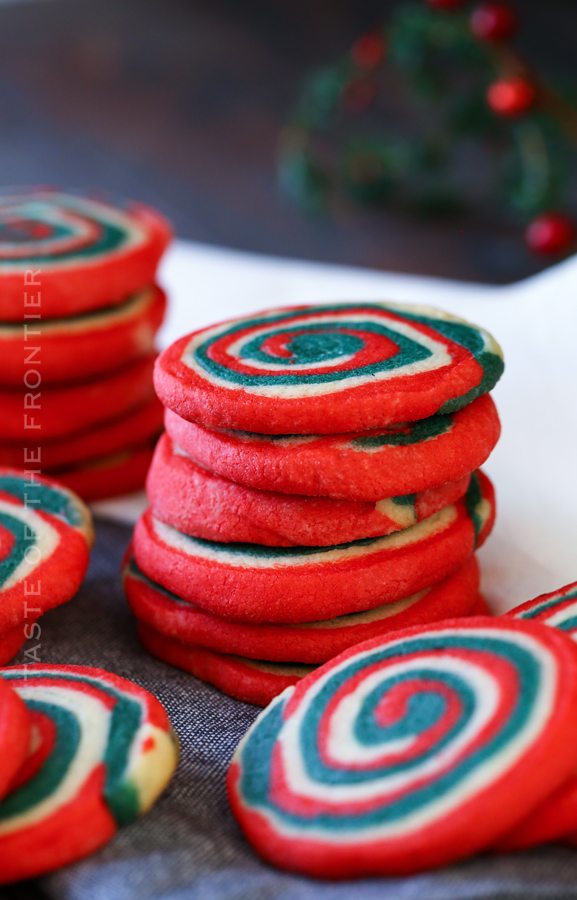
(180, 103)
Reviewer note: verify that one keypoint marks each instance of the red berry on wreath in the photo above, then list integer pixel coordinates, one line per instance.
(494, 21)
(511, 96)
(551, 234)
(368, 51)
(445, 4)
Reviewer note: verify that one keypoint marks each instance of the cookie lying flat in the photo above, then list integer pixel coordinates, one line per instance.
(109, 476)
(57, 412)
(202, 504)
(135, 427)
(110, 753)
(556, 818)
(79, 252)
(254, 583)
(402, 459)
(410, 751)
(45, 536)
(82, 346)
(14, 735)
(312, 643)
(327, 369)
(249, 680)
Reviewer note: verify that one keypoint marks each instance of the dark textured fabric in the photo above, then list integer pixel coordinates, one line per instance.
(188, 847)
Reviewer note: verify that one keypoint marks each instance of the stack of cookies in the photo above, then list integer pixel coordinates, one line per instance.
(317, 485)
(79, 311)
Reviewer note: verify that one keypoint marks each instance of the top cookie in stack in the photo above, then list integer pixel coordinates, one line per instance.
(319, 462)
(78, 314)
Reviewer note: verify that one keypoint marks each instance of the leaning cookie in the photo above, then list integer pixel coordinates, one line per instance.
(250, 680)
(63, 253)
(45, 537)
(327, 369)
(557, 609)
(410, 751)
(256, 583)
(82, 346)
(202, 504)
(106, 752)
(312, 642)
(385, 462)
(556, 818)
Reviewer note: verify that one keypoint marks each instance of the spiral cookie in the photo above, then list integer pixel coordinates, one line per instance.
(82, 346)
(256, 583)
(410, 751)
(63, 253)
(14, 735)
(313, 642)
(137, 426)
(327, 369)
(45, 536)
(556, 818)
(108, 753)
(250, 680)
(558, 609)
(53, 413)
(202, 504)
(401, 459)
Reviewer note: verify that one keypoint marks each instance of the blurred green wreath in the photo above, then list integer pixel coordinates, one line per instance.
(437, 113)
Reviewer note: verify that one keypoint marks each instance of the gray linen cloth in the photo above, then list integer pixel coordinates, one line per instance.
(188, 847)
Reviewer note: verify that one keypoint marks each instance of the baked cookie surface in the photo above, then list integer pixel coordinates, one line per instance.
(104, 751)
(73, 252)
(327, 369)
(409, 751)
(389, 462)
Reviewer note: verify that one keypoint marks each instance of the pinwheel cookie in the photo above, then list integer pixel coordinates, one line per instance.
(409, 751)
(385, 462)
(81, 346)
(137, 426)
(202, 504)
(557, 609)
(45, 537)
(327, 369)
(312, 642)
(64, 253)
(103, 752)
(250, 680)
(556, 818)
(15, 733)
(109, 476)
(40, 414)
(258, 583)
